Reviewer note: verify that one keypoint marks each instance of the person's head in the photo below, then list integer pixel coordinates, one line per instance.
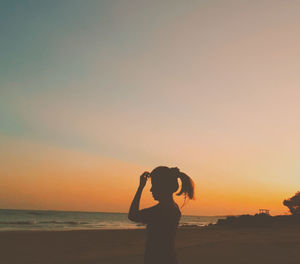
(165, 182)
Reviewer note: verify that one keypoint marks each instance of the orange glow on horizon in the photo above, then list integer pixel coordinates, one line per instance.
(47, 177)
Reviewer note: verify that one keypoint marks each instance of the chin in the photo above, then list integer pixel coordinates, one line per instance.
(155, 197)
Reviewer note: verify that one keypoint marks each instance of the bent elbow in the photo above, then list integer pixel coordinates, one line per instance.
(132, 218)
(129, 217)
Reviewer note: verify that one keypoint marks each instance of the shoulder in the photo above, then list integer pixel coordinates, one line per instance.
(151, 209)
(146, 215)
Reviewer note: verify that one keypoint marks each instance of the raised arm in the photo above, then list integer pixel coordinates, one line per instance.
(135, 204)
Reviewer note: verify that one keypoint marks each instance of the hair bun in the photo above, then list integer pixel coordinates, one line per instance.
(175, 171)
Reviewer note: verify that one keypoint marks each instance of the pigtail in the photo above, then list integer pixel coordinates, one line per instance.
(187, 184)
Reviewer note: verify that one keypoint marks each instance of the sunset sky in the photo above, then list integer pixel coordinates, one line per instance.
(94, 93)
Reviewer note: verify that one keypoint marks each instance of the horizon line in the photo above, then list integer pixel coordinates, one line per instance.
(82, 211)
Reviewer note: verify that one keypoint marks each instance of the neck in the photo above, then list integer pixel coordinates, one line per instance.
(167, 200)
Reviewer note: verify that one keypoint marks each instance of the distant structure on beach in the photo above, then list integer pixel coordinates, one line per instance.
(264, 211)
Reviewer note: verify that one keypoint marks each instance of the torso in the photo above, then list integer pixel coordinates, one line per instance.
(161, 231)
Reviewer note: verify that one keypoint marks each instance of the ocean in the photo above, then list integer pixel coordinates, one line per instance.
(11, 220)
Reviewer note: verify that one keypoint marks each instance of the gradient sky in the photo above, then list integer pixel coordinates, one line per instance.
(93, 93)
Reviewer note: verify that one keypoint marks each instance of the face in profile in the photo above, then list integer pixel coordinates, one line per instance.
(155, 192)
(159, 191)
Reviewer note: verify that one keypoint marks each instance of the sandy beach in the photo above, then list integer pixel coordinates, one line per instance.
(203, 245)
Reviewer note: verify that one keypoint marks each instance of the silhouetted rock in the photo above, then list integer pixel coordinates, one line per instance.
(260, 220)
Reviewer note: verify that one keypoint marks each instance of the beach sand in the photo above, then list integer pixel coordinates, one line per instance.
(203, 245)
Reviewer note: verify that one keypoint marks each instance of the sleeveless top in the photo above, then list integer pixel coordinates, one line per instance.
(162, 222)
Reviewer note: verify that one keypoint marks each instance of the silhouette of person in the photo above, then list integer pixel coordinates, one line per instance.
(162, 219)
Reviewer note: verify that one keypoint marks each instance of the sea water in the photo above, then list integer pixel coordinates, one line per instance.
(66, 220)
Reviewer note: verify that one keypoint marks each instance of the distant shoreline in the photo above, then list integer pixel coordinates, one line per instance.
(46, 210)
(11, 219)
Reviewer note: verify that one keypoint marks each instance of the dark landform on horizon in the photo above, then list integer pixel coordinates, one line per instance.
(264, 219)
(259, 220)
